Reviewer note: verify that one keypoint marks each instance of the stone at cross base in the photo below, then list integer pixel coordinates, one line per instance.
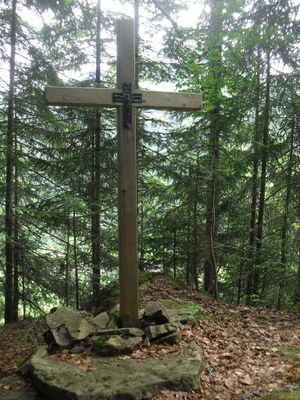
(101, 376)
(126, 98)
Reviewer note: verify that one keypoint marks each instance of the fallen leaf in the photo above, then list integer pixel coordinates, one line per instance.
(246, 380)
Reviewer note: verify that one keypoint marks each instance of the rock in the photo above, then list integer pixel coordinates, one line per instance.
(114, 321)
(194, 347)
(121, 331)
(155, 331)
(171, 338)
(167, 333)
(182, 316)
(69, 326)
(112, 346)
(61, 336)
(109, 342)
(154, 314)
(77, 350)
(112, 378)
(101, 320)
(136, 332)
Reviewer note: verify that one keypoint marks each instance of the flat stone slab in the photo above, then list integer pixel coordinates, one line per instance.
(113, 378)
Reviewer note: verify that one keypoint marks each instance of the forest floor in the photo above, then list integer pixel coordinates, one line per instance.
(249, 352)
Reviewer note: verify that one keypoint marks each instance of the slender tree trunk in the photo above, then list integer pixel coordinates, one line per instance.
(263, 178)
(67, 270)
(96, 249)
(189, 250)
(256, 139)
(17, 247)
(75, 260)
(284, 228)
(174, 251)
(141, 241)
(297, 286)
(195, 231)
(210, 263)
(23, 286)
(9, 220)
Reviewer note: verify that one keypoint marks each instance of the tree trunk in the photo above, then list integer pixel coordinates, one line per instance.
(75, 260)
(261, 207)
(17, 247)
(96, 250)
(67, 270)
(174, 251)
(195, 231)
(189, 249)
(297, 286)
(284, 228)
(256, 139)
(141, 241)
(9, 220)
(210, 263)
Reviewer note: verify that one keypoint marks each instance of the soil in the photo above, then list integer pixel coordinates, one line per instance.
(250, 352)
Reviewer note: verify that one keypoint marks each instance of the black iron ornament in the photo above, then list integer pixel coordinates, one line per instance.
(127, 98)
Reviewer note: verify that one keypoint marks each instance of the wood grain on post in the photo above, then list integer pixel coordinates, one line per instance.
(127, 188)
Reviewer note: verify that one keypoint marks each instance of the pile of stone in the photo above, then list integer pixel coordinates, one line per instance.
(113, 377)
(67, 327)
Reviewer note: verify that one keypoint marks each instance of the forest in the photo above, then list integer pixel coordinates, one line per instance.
(218, 188)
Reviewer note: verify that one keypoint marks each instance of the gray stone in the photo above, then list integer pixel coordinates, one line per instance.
(114, 379)
(113, 322)
(167, 333)
(109, 342)
(136, 332)
(171, 338)
(77, 350)
(101, 320)
(68, 325)
(114, 331)
(194, 347)
(114, 345)
(61, 336)
(155, 313)
(156, 331)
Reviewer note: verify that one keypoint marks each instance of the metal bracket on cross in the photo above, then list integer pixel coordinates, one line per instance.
(127, 98)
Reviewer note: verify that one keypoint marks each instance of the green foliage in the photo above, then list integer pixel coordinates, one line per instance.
(197, 311)
(282, 395)
(100, 340)
(290, 354)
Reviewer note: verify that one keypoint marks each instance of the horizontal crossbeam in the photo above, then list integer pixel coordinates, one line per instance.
(86, 97)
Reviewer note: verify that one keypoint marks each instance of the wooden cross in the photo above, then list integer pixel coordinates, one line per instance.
(126, 98)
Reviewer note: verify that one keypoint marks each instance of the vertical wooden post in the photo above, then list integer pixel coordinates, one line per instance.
(127, 188)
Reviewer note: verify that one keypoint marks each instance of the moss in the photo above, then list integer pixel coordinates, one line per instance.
(19, 361)
(146, 277)
(175, 305)
(174, 282)
(107, 378)
(100, 341)
(46, 377)
(282, 395)
(290, 354)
